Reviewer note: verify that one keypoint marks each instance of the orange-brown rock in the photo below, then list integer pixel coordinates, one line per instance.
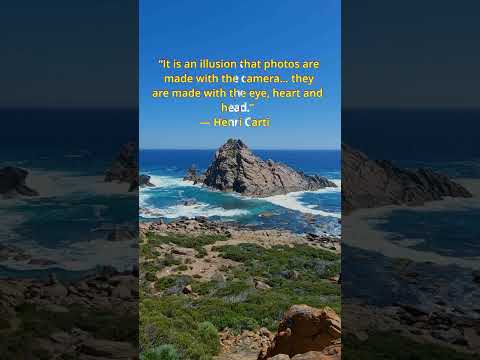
(333, 352)
(306, 329)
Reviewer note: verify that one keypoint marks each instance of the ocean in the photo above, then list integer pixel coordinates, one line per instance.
(423, 255)
(300, 212)
(444, 140)
(449, 227)
(64, 229)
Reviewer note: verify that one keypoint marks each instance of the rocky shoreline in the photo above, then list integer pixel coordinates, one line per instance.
(81, 318)
(203, 226)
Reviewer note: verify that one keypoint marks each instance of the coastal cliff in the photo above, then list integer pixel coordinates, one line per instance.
(370, 183)
(236, 169)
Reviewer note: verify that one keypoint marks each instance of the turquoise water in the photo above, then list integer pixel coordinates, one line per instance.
(299, 212)
(66, 153)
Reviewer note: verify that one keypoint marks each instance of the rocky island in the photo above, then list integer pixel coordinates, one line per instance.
(236, 169)
(372, 183)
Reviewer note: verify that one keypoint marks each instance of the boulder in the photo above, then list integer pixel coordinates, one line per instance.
(260, 285)
(280, 357)
(144, 181)
(306, 329)
(108, 349)
(333, 352)
(236, 169)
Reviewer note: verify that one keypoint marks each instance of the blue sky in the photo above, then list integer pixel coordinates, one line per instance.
(299, 30)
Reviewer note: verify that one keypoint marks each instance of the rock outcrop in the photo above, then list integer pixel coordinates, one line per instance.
(124, 168)
(313, 333)
(236, 169)
(12, 182)
(65, 305)
(144, 181)
(370, 183)
(192, 175)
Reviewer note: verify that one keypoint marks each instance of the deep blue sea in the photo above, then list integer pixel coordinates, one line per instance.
(300, 212)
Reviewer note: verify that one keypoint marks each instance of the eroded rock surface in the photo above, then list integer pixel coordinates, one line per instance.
(236, 169)
(370, 183)
(305, 329)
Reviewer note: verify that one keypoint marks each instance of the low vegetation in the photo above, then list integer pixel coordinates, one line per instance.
(151, 241)
(233, 299)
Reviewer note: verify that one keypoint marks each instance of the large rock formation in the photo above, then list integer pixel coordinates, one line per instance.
(370, 183)
(236, 169)
(12, 182)
(124, 168)
(314, 333)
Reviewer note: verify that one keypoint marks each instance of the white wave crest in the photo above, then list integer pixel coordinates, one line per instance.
(190, 211)
(292, 201)
(167, 182)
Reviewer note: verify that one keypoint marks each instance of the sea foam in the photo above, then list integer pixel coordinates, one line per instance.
(190, 211)
(292, 201)
(167, 182)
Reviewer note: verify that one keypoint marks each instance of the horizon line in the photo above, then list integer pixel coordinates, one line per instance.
(253, 148)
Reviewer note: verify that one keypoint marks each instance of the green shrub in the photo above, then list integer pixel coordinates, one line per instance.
(171, 320)
(162, 352)
(182, 267)
(171, 260)
(150, 276)
(173, 280)
(209, 336)
(151, 241)
(190, 324)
